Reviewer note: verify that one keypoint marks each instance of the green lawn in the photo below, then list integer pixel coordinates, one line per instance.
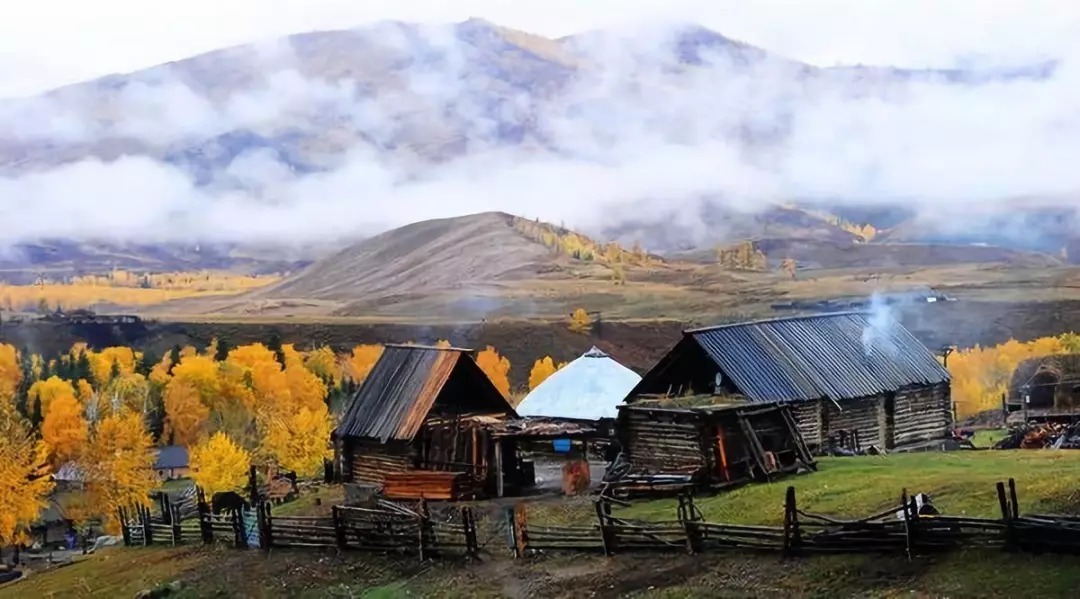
(960, 483)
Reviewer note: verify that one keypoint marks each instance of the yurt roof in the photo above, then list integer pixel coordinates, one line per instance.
(589, 388)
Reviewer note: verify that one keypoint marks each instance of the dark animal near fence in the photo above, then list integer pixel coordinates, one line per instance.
(227, 502)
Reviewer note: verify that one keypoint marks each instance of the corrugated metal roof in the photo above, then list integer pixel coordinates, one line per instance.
(401, 389)
(826, 355)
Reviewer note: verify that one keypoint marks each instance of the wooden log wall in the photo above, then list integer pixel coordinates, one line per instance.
(664, 442)
(369, 461)
(922, 414)
(864, 415)
(808, 415)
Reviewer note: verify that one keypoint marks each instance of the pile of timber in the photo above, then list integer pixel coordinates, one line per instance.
(428, 484)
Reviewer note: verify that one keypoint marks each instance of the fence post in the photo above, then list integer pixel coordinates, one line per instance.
(238, 529)
(268, 518)
(261, 515)
(253, 485)
(688, 517)
(177, 537)
(521, 530)
(339, 528)
(1006, 516)
(914, 525)
(148, 531)
(205, 526)
(905, 508)
(124, 531)
(1012, 499)
(789, 507)
(606, 537)
(472, 547)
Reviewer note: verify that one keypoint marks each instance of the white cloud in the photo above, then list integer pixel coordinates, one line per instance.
(631, 139)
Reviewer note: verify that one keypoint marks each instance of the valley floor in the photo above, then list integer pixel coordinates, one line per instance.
(959, 482)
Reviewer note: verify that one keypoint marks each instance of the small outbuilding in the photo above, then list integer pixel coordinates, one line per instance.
(838, 373)
(589, 388)
(420, 427)
(171, 463)
(1045, 386)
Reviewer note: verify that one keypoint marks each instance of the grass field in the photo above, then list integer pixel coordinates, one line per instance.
(959, 482)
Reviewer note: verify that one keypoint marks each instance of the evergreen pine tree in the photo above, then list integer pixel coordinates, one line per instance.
(174, 358)
(146, 363)
(44, 369)
(36, 417)
(82, 368)
(274, 345)
(223, 350)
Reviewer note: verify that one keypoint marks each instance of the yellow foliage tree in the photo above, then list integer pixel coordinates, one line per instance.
(497, 368)
(48, 390)
(118, 466)
(541, 370)
(130, 390)
(324, 363)
(980, 375)
(298, 441)
(25, 484)
(361, 361)
(101, 363)
(64, 429)
(219, 465)
(10, 372)
(185, 413)
(580, 321)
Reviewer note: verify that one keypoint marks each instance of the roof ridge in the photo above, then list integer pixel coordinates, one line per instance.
(431, 347)
(778, 319)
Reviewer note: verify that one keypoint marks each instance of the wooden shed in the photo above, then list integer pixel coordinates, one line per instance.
(419, 426)
(1045, 387)
(843, 372)
(710, 446)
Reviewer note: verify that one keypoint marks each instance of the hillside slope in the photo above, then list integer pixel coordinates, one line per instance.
(453, 253)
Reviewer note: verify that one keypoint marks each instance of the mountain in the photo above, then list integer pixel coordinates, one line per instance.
(258, 121)
(434, 255)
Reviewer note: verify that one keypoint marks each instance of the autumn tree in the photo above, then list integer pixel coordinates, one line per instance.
(189, 393)
(324, 363)
(45, 391)
(497, 368)
(218, 465)
(297, 441)
(64, 428)
(25, 484)
(580, 321)
(361, 361)
(118, 466)
(541, 370)
(11, 373)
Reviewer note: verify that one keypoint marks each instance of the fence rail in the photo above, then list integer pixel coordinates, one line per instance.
(394, 528)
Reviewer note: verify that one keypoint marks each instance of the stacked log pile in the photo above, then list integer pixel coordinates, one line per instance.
(428, 484)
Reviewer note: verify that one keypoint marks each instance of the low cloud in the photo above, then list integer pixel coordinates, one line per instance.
(438, 124)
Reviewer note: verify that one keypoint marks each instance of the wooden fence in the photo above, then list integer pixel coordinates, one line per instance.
(394, 528)
(900, 529)
(390, 528)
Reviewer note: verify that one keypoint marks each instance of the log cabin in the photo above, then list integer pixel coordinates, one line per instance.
(839, 373)
(419, 427)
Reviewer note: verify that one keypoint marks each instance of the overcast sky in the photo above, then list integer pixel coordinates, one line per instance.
(47, 43)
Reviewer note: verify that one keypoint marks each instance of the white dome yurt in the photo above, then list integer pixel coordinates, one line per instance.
(589, 388)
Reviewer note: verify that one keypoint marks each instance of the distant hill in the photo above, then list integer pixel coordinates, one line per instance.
(451, 253)
(415, 97)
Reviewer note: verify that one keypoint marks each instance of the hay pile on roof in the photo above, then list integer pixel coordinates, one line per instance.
(591, 387)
